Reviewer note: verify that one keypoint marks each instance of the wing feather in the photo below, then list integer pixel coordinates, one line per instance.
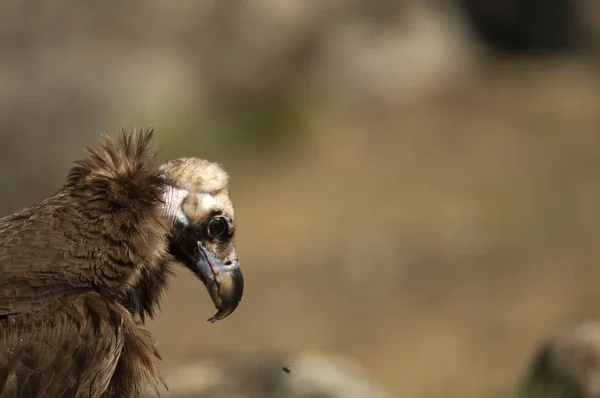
(36, 264)
(70, 353)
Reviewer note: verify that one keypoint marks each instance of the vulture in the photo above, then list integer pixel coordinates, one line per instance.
(82, 270)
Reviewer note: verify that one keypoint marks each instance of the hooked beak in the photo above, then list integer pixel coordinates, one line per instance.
(223, 279)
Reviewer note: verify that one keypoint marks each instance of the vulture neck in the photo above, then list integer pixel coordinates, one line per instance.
(143, 297)
(118, 194)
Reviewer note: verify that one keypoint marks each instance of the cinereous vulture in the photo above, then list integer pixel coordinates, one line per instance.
(81, 270)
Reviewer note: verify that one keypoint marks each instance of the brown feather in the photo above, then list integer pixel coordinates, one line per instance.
(77, 269)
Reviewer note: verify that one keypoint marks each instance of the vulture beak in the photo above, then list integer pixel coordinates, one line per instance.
(223, 280)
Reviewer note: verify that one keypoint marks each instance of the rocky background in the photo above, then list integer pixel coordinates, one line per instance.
(417, 181)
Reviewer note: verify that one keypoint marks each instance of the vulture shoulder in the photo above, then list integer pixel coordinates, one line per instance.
(67, 267)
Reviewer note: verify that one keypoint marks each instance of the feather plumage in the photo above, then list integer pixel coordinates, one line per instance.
(79, 271)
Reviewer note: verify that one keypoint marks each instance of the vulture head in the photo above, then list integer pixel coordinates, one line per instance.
(197, 202)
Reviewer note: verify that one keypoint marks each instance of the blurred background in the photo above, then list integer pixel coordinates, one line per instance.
(417, 182)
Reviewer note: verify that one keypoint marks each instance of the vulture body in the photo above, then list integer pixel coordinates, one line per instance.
(81, 270)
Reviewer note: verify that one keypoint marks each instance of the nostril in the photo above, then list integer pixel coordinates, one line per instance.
(228, 262)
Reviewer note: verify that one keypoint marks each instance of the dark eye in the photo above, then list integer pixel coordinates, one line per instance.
(217, 227)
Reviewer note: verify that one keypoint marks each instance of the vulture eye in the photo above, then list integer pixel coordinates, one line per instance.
(217, 227)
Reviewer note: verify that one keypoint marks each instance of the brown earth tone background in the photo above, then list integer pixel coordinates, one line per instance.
(417, 182)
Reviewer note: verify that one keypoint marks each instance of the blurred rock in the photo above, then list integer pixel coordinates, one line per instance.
(420, 49)
(352, 51)
(236, 68)
(567, 365)
(310, 376)
(536, 26)
(525, 25)
(588, 14)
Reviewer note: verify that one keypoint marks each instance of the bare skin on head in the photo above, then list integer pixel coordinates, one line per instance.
(203, 222)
